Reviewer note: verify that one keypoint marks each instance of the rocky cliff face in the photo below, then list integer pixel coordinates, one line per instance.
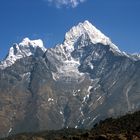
(76, 84)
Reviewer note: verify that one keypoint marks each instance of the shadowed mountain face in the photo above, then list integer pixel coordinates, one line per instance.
(75, 84)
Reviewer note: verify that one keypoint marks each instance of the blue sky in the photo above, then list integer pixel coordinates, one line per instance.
(50, 19)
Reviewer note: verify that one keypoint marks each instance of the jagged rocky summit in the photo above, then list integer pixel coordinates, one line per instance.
(75, 84)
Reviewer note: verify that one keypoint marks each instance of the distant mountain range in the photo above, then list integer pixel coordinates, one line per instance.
(76, 84)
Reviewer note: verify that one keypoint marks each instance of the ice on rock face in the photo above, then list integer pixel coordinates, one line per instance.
(135, 56)
(84, 29)
(84, 33)
(34, 43)
(26, 48)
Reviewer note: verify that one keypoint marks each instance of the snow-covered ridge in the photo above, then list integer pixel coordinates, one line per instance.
(135, 56)
(26, 48)
(78, 37)
(83, 29)
(86, 32)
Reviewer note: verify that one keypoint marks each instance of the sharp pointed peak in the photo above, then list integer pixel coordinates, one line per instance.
(87, 29)
(86, 22)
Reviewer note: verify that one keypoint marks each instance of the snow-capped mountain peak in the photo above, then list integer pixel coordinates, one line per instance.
(34, 43)
(26, 48)
(84, 29)
(135, 56)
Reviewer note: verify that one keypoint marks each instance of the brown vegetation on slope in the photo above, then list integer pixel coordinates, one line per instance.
(123, 128)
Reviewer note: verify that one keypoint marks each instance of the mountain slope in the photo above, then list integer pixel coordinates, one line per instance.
(76, 84)
(123, 128)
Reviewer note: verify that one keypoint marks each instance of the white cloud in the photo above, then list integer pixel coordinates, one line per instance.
(66, 3)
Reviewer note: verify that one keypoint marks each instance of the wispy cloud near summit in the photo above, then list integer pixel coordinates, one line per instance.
(65, 3)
